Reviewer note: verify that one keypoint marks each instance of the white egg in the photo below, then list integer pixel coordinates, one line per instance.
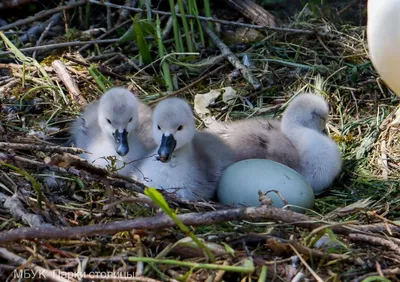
(239, 185)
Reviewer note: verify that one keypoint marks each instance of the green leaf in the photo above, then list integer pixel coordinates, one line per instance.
(158, 199)
(376, 278)
(147, 27)
(263, 274)
(129, 35)
(80, 183)
(144, 48)
(162, 203)
(228, 249)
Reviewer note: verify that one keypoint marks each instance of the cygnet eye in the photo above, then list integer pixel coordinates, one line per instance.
(180, 128)
(130, 119)
(109, 121)
(159, 128)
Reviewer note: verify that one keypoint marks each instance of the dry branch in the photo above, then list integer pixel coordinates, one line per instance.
(163, 221)
(101, 68)
(253, 11)
(42, 14)
(43, 148)
(16, 208)
(37, 31)
(61, 45)
(89, 172)
(252, 26)
(232, 58)
(17, 260)
(376, 241)
(6, 4)
(69, 82)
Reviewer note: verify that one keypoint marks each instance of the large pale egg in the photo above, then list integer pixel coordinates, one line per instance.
(239, 185)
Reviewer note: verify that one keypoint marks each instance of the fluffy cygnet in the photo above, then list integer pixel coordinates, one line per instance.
(257, 138)
(304, 121)
(188, 160)
(118, 125)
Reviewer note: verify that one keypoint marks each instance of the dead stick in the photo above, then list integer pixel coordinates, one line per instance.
(190, 85)
(43, 148)
(105, 35)
(61, 45)
(97, 174)
(17, 260)
(163, 221)
(277, 29)
(89, 172)
(159, 222)
(101, 69)
(232, 58)
(376, 241)
(41, 15)
(254, 12)
(69, 82)
(390, 271)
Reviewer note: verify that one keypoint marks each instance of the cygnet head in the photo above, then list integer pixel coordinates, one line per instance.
(173, 126)
(118, 116)
(308, 110)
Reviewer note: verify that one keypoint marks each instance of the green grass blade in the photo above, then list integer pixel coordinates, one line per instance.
(248, 265)
(175, 25)
(263, 274)
(162, 203)
(36, 185)
(188, 34)
(164, 64)
(24, 59)
(144, 48)
(207, 10)
(100, 79)
(194, 11)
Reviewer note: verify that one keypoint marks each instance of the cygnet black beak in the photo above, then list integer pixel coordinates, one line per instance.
(167, 147)
(121, 142)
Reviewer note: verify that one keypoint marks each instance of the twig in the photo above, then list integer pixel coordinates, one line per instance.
(104, 35)
(61, 45)
(109, 22)
(164, 221)
(42, 14)
(98, 174)
(138, 199)
(253, 11)
(101, 69)
(232, 58)
(17, 210)
(43, 148)
(206, 19)
(38, 30)
(69, 82)
(323, 255)
(42, 37)
(6, 4)
(190, 85)
(376, 241)
(44, 273)
(393, 271)
(316, 276)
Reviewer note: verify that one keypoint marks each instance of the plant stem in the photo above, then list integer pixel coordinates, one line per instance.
(178, 46)
(207, 11)
(241, 269)
(189, 41)
(164, 64)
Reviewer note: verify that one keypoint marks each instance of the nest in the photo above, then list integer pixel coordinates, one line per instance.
(94, 221)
